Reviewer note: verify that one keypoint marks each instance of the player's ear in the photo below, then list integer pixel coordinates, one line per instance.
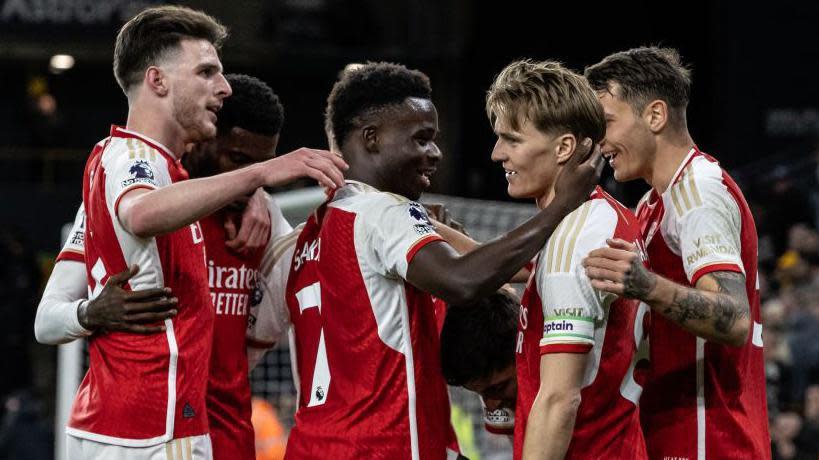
(156, 82)
(656, 115)
(369, 134)
(565, 147)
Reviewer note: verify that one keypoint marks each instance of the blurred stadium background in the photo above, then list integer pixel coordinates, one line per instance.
(755, 105)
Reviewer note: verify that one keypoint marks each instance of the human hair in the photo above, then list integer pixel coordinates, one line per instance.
(150, 35)
(478, 340)
(552, 97)
(253, 106)
(367, 91)
(641, 75)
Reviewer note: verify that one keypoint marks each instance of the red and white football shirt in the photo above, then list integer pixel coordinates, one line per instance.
(142, 390)
(234, 289)
(562, 313)
(74, 247)
(703, 400)
(366, 340)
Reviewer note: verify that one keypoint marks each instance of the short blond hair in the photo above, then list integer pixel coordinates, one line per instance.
(552, 97)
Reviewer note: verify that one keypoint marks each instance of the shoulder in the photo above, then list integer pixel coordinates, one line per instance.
(701, 185)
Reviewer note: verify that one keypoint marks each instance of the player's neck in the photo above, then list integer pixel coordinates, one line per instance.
(671, 152)
(147, 123)
(547, 198)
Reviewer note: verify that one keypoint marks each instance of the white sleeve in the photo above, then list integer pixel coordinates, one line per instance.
(571, 306)
(74, 247)
(278, 224)
(709, 229)
(269, 316)
(56, 321)
(398, 230)
(139, 167)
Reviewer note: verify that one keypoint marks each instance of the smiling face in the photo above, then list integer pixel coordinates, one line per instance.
(528, 157)
(407, 153)
(629, 144)
(196, 88)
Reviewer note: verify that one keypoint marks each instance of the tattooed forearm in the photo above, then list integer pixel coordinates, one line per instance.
(713, 311)
(638, 281)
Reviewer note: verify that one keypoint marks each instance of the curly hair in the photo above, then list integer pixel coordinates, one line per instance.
(479, 339)
(641, 75)
(253, 106)
(369, 89)
(150, 35)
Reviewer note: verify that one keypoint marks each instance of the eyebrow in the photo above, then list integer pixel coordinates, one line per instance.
(509, 136)
(209, 66)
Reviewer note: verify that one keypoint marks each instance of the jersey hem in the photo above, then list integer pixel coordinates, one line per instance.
(577, 348)
(420, 244)
(126, 190)
(72, 255)
(113, 440)
(718, 267)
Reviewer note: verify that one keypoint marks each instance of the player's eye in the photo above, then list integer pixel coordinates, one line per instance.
(239, 158)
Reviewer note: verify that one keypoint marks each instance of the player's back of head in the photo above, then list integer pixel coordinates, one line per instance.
(367, 91)
(552, 97)
(478, 340)
(150, 35)
(253, 106)
(641, 75)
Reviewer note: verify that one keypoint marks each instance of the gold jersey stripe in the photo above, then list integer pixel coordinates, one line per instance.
(684, 194)
(560, 242)
(692, 185)
(188, 448)
(581, 222)
(555, 240)
(280, 245)
(676, 201)
(168, 448)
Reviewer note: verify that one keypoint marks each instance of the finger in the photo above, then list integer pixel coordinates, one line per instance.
(122, 277)
(619, 266)
(598, 273)
(133, 308)
(337, 160)
(617, 243)
(581, 153)
(596, 160)
(608, 286)
(611, 253)
(150, 317)
(147, 294)
(327, 175)
(240, 242)
(230, 228)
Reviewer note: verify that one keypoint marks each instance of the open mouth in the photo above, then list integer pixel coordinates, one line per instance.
(610, 156)
(426, 175)
(510, 173)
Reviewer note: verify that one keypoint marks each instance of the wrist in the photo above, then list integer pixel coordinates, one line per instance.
(82, 315)
(652, 294)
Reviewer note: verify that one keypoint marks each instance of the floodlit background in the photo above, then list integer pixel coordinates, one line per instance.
(755, 106)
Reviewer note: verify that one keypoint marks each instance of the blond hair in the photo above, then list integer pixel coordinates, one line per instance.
(552, 97)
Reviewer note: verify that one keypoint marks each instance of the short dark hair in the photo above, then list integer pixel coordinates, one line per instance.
(368, 89)
(253, 106)
(552, 97)
(149, 35)
(641, 75)
(478, 340)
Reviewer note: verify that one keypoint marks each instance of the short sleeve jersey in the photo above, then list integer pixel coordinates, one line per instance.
(367, 346)
(562, 313)
(142, 390)
(703, 400)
